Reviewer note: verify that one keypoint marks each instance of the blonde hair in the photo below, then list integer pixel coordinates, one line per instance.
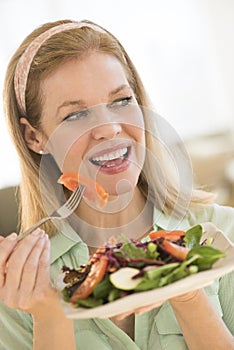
(58, 49)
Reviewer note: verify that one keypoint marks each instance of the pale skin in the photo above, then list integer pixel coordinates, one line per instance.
(100, 79)
(25, 285)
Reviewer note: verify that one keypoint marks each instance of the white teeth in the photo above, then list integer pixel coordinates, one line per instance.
(110, 156)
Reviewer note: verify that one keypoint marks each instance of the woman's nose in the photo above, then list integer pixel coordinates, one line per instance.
(106, 131)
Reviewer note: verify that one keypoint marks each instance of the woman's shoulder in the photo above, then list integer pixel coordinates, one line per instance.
(220, 215)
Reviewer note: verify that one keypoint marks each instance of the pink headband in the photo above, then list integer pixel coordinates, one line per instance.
(25, 61)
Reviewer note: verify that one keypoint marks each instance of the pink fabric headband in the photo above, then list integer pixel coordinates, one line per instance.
(25, 61)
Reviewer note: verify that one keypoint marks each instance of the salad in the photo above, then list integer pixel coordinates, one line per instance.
(119, 269)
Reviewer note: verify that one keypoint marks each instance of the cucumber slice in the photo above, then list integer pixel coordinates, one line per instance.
(122, 278)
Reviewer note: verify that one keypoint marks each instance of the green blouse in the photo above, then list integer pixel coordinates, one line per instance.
(156, 329)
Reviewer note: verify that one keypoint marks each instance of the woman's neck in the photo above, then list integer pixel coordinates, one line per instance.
(129, 214)
(119, 211)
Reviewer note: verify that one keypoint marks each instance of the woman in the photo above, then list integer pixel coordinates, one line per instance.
(72, 101)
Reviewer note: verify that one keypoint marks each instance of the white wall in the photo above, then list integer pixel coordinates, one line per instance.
(184, 51)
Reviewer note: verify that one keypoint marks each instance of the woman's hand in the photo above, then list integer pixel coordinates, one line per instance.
(25, 285)
(184, 297)
(195, 313)
(25, 272)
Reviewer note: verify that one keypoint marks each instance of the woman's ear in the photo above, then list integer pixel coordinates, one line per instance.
(33, 137)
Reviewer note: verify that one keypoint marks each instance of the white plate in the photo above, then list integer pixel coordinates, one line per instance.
(133, 301)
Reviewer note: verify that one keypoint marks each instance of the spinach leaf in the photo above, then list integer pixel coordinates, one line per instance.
(102, 289)
(114, 294)
(65, 294)
(133, 252)
(89, 302)
(193, 236)
(147, 284)
(206, 256)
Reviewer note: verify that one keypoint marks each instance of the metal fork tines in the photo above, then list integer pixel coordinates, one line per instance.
(62, 213)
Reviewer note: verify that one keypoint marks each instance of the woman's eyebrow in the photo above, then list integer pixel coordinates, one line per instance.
(71, 103)
(118, 89)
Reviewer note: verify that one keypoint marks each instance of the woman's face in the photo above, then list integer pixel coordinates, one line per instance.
(92, 122)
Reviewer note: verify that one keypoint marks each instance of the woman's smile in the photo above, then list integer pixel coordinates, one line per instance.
(112, 161)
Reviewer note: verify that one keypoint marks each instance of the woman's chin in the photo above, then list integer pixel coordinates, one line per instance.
(121, 187)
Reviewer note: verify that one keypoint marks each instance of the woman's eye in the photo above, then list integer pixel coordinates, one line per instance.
(121, 102)
(77, 115)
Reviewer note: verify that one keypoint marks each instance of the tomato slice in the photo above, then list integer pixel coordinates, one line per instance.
(95, 276)
(175, 250)
(93, 192)
(174, 235)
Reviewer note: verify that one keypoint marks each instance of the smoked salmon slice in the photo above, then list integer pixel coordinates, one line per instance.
(93, 192)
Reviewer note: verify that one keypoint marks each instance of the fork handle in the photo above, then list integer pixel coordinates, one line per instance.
(32, 228)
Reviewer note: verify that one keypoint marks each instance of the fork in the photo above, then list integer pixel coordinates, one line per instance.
(61, 213)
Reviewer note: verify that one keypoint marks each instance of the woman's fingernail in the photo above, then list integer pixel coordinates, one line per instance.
(43, 236)
(12, 236)
(38, 232)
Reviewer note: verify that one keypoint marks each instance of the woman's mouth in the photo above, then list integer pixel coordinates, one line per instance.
(114, 161)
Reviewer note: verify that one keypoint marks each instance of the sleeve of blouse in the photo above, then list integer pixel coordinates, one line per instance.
(226, 298)
(223, 218)
(16, 331)
(220, 216)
